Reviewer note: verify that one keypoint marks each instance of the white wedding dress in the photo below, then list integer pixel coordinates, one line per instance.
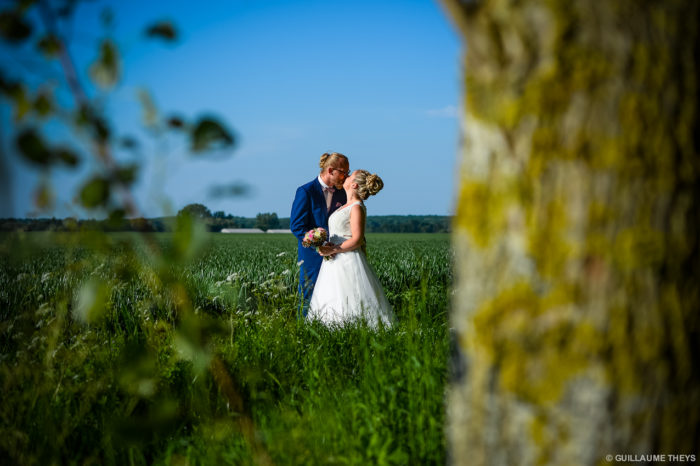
(347, 288)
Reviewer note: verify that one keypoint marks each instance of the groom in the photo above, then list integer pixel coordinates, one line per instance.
(313, 203)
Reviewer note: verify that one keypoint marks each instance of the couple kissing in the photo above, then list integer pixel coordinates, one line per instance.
(345, 288)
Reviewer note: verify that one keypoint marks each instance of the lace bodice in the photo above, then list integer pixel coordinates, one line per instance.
(339, 223)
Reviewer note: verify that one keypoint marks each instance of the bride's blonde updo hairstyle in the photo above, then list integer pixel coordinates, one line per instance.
(367, 184)
(331, 159)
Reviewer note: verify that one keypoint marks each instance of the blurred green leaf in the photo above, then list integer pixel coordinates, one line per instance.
(196, 211)
(107, 17)
(106, 69)
(23, 5)
(42, 105)
(66, 9)
(150, 112)
(158, 419)
(163, 30)
(126, 174)
(100, 129)
(49, 46)
(229, 190)
(13, 27)
(9, 88)
(193, 337)
(67, 156)
(31, 146)
(18, 94)
(71, 224)
(209, 134)
(5, 85)
(116, 218)
(189, 236)
(89, 303)
(186, 349)
(175, 122)
(136, 369)
(43, 197)
(95, 192)
(129, 142)
(82, 116)
(96, 124)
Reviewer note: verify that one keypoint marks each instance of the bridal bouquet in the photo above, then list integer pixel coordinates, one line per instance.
(315, 238)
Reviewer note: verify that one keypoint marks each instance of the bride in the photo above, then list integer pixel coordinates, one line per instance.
(347, 288)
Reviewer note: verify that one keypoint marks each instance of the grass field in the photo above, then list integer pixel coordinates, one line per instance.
(186, 349)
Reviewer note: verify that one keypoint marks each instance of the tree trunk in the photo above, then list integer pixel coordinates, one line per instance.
(576, 301)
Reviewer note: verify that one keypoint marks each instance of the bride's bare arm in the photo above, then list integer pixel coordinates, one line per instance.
(357, 229)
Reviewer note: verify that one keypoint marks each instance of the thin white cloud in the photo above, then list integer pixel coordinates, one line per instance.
(449, 111)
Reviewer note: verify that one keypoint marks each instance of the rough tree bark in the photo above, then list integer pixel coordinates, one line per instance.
(576, 305)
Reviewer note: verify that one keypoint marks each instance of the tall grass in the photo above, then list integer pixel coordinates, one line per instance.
(110, 354)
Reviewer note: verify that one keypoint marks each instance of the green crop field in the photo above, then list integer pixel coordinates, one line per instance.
(186, 348)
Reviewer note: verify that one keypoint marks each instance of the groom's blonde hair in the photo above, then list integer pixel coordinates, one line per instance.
(331, 160)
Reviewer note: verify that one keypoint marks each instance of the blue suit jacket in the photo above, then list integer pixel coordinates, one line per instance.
(308, 212)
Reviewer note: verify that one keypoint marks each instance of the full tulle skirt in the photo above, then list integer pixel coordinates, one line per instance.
(348, 290)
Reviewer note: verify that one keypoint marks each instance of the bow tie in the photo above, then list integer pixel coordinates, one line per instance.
(329, 189)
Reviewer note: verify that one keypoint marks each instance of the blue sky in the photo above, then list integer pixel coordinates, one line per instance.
(376, 80)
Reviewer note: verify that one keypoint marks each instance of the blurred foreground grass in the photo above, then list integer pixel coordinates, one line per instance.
(112, 354)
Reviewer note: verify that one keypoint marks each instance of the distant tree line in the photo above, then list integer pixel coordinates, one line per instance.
(408, 224)
(219, 220)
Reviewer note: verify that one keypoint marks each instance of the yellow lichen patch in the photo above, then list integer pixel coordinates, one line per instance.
(638, 247)
(623, 368)
(538, 342)
(480, 98)
(508, 111)
(553, 359)
(545, 141)
(487, 101)
(549, 433)
(507, 313)
(537, 429)
(547, 241)
(584, 66)
(607, 154)
(673, 309)
(598, 245)
(480, 212)
(598, 242)
(541, 437)
(599, 215)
